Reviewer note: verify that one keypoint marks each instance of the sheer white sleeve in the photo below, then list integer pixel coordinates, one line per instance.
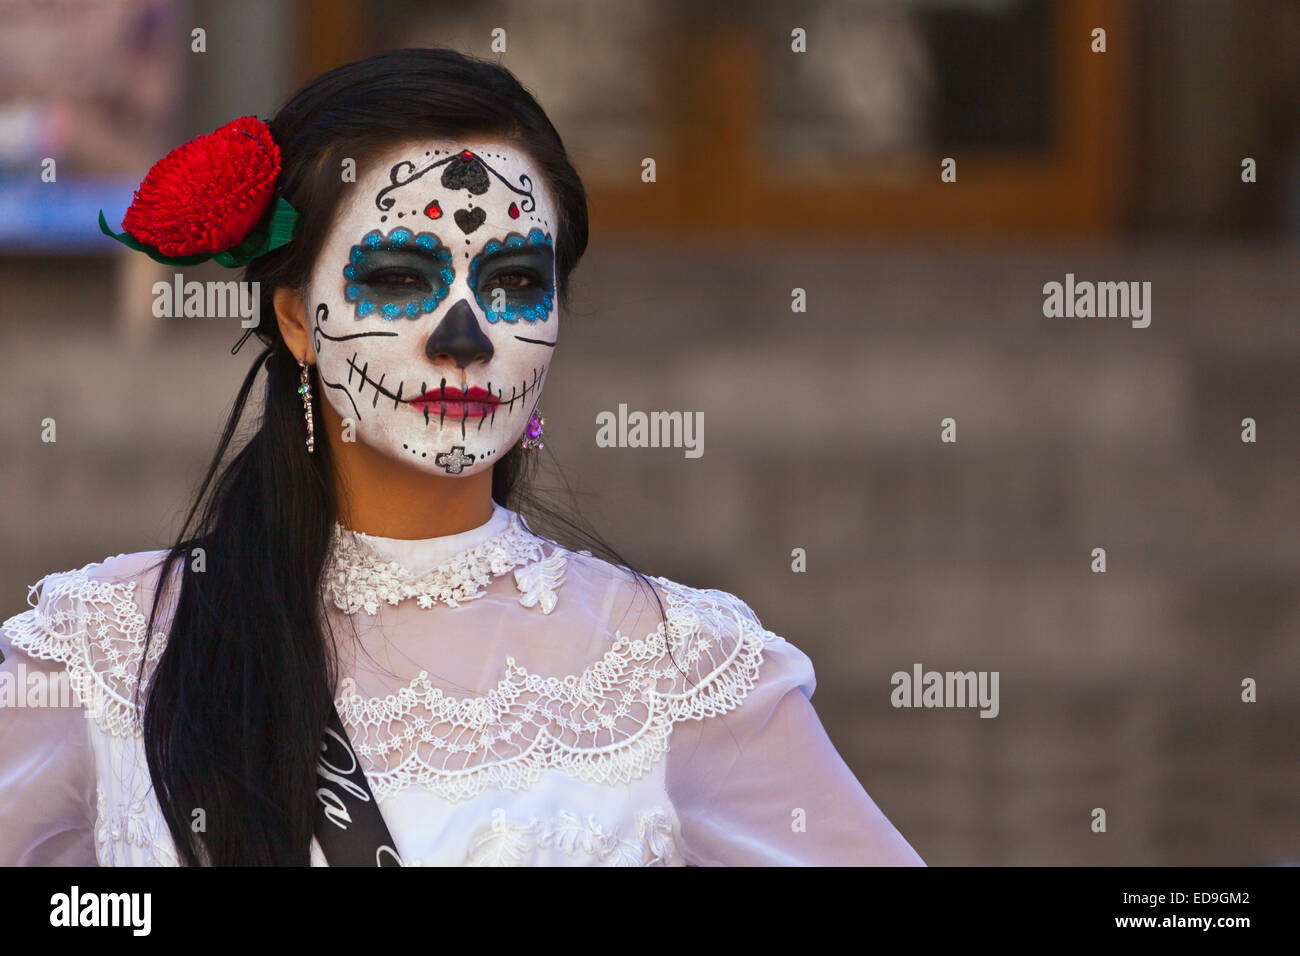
(47, 766)
(72, 662)
(762, 785)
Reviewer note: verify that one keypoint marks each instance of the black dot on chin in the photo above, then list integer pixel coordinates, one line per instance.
(425, 454)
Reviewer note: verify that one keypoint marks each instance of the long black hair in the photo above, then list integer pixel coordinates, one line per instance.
(238, 700)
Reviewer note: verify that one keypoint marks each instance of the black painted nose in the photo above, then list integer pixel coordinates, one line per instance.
(459, 338)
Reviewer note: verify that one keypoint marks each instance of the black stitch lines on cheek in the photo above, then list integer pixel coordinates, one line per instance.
(360, 375)
(364, 378)
(318, 333)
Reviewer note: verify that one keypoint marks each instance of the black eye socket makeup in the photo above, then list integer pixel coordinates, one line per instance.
(513, 279)
(401, 275)
(516, 271)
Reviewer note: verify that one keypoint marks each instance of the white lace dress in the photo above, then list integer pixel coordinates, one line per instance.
(512, 703)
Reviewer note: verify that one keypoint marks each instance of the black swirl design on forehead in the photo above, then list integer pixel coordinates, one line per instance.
(468, 170)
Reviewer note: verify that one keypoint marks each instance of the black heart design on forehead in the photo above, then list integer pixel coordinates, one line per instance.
(466, 172)
(470, 219)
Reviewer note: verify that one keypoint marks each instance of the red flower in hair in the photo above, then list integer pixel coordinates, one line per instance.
(208, 195)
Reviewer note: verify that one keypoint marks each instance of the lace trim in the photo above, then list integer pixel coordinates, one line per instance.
(129, 825)
(540, 580)
(609, 724)
(357, 579)
(97, 631)
(510, 843)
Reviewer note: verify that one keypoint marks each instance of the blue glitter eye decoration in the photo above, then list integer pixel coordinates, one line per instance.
(532, 304)
(371, 257)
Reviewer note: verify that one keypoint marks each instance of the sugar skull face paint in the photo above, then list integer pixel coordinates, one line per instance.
(379, 274)
(433, 302)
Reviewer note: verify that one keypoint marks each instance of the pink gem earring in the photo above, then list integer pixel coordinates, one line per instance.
(533, 432)
(304, 389)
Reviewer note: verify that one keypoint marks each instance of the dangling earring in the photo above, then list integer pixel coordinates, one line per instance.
(304, 389)
(533, 432)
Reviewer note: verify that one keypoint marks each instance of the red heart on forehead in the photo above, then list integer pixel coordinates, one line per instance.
(433, 210)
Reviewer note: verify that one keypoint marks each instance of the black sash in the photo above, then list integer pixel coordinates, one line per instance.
(349, 827)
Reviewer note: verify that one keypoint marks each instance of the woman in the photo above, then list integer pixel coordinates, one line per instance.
(359, 574)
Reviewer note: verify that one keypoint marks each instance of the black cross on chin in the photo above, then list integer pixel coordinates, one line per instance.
(453, 461)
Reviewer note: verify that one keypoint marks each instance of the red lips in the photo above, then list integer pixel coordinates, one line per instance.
(453, 403)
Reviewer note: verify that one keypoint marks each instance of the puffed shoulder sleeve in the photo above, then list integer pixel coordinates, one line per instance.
(47, 768)
(70, 661)
(760, 783)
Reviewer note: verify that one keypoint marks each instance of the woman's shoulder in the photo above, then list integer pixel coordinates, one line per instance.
(92, 622)
(698, 601)
(717, 631)
(122, 582)
(141, 567)
(137, 568)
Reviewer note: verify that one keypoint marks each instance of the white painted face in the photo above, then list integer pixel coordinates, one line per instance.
(432, 306)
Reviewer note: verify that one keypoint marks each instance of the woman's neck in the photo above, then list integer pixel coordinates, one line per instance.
(385, 498)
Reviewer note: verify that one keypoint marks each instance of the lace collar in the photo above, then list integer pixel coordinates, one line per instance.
(364, 572)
